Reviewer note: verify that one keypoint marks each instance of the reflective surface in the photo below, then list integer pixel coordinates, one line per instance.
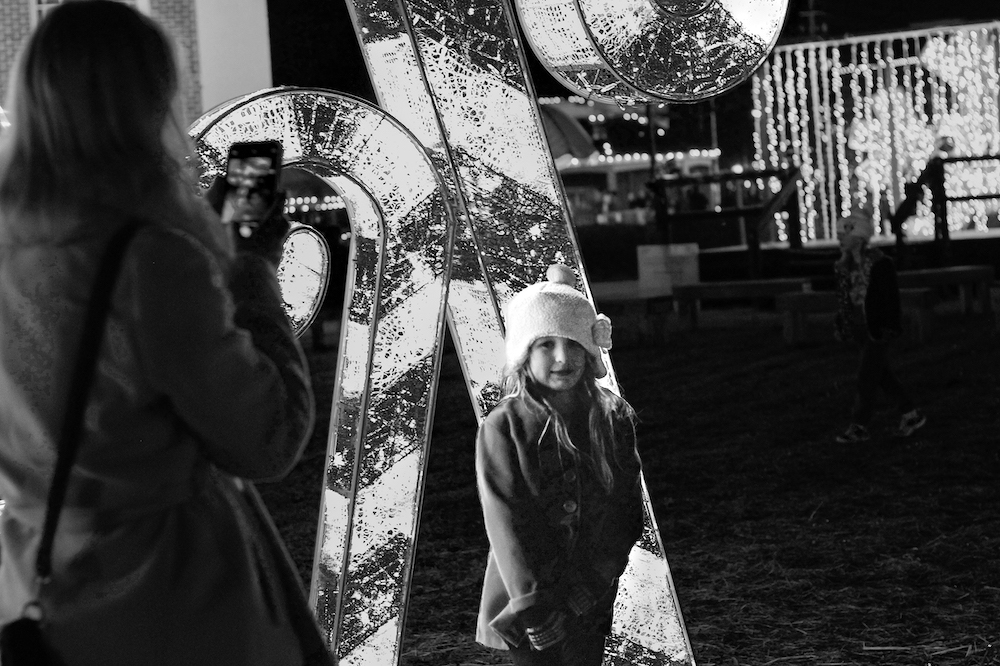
(634, 51)
(390, 347)
(454, 73)
(303, 275)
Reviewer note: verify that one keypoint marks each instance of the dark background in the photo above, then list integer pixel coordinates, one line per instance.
(313, 44)
(785, 548)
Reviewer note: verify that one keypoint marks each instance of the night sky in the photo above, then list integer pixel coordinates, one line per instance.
(313, 44)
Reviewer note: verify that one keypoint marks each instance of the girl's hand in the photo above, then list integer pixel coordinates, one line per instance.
(550, 633)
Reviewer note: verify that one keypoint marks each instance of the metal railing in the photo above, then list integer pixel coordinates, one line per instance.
(933, 178)
(752, 219)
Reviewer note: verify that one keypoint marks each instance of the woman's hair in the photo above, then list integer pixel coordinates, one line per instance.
(606, 410)
(93, 110)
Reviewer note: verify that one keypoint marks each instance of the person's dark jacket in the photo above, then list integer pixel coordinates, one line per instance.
(868, 299)
(883, 316)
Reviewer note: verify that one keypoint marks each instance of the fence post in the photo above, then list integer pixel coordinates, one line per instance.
(939, 206)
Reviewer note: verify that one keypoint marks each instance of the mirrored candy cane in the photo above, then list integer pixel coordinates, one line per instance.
(455, 74)
(390, 348)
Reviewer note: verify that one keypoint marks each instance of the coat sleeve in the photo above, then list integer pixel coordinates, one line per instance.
(844, 316)
(522, 544)
(223, 354)
(883, 315)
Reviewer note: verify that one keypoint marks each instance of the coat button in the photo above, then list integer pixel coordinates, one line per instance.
(570, 476)
(569, 506)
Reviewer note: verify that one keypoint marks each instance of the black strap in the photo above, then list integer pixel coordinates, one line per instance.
(79, 388)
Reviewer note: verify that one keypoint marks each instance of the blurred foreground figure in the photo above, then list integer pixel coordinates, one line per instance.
(199, 379)
(869, 311)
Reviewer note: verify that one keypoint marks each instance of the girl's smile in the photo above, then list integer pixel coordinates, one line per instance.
(556, 363)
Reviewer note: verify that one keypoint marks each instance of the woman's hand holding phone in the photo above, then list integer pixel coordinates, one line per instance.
(248, 200)
(267, 237)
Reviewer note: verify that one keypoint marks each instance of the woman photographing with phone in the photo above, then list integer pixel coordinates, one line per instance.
(199, 381)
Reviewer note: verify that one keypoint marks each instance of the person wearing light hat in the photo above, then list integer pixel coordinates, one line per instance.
(869, 310)
(559, 482)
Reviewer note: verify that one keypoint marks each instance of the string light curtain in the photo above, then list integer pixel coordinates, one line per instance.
(864, 115)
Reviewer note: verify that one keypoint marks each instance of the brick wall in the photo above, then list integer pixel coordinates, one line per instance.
(176, 16)
(15, 23)
(179, 19)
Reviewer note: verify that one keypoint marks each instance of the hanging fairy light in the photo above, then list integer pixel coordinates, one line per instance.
(862, 116)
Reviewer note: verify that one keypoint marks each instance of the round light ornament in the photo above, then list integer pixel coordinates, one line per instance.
(640, 51)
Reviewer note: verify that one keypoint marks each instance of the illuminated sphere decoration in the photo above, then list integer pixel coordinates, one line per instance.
(636, 51)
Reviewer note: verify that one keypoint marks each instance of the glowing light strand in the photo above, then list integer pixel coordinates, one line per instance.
(829, 119)
(802, 110)
(888, 99)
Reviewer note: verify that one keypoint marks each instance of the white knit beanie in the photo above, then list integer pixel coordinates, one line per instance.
(859, 222)
(555, 308)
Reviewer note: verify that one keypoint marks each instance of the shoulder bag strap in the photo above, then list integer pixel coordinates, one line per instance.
(79, 388)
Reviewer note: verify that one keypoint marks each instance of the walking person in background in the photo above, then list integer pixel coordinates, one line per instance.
(199, 381)
(869, 310)
(559, 481)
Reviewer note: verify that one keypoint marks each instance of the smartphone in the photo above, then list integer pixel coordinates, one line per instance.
(252, 172)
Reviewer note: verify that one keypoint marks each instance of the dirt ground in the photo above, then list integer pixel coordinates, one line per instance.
(785, 547)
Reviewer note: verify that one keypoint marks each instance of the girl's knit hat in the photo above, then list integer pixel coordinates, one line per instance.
(555, 308)
(859, 222)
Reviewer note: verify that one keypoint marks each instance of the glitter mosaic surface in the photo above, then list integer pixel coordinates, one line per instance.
(303, 274)
(634, 51)
(391, 346)
(455, 74)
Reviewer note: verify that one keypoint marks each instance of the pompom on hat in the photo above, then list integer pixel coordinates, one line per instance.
(554, 307)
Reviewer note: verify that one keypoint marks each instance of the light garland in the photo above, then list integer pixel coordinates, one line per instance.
(314, 203)
(863, 117)
(626, 158)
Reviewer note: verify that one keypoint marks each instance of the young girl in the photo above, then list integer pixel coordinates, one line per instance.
(559, 482)
(867, 290)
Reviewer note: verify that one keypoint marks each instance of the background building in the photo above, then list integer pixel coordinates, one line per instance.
(224, 45)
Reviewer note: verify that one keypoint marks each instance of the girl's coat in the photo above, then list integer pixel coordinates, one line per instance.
(556, 538)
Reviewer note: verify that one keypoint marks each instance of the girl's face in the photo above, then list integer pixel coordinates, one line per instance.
(556, 363)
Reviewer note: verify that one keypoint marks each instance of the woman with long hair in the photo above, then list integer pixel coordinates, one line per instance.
(199, 380)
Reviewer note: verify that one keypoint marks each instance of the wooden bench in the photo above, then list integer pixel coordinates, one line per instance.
(970, 280)
(638, 312)
(688, 297)
(917, 306)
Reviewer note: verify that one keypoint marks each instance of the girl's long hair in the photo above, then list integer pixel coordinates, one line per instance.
(95, 120)
(607, 413)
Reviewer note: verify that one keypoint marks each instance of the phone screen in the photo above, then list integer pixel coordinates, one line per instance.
(252, 181)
